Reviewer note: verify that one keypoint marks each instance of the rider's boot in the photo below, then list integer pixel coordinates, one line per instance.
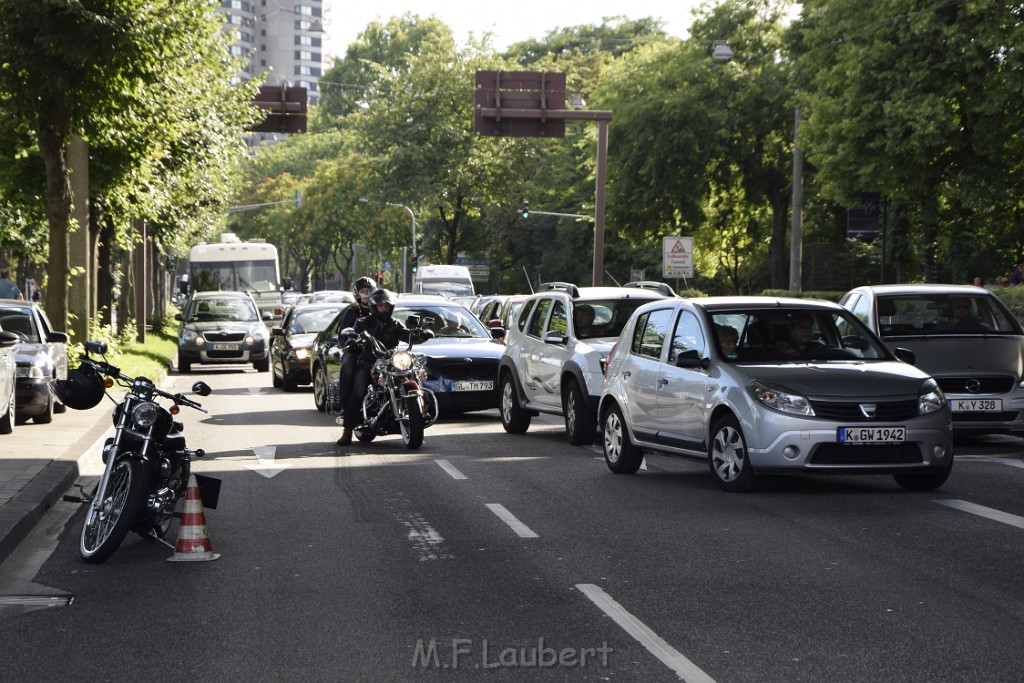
(346, 437)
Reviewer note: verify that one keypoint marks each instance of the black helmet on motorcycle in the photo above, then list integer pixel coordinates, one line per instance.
(363, 283)
(382, 296)
(82, 390)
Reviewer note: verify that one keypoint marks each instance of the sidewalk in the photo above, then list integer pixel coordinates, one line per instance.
(38, 463)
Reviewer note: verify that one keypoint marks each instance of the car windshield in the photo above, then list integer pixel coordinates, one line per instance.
(308, 322)
(793, 334)
(19, 321)
(444, 321)
(222, 310)
(946, 314)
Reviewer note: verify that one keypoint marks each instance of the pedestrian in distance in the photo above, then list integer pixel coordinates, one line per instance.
(8, 288)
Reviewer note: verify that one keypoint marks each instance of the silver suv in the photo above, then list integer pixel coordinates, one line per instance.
(555, 353)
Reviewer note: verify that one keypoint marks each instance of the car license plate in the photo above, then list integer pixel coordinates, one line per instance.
(483, 385)
(225, 347)
(977, 405)
(872, 435)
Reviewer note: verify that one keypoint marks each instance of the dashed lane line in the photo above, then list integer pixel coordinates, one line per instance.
(669, 656)
(982, 511)
(504, 515)
(451, 469)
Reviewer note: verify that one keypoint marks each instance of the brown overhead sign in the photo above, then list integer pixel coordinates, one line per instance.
(518, 103)
(285, 107)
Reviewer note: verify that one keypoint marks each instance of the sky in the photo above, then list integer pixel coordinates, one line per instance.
(510, 21)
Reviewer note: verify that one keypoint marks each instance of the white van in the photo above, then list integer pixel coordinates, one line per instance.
(445, 280)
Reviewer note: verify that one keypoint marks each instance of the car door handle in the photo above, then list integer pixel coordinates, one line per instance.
(625, 373)
(662, 381)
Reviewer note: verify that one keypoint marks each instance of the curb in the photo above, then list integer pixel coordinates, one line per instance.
(21, 514)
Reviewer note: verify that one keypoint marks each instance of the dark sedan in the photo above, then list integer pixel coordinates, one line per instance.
(462, 358)
(41, 356)
(291, 343)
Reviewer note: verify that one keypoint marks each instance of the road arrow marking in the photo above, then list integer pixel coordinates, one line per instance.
(265, 457)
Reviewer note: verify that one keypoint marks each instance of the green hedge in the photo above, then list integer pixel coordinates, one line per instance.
(1013, 297)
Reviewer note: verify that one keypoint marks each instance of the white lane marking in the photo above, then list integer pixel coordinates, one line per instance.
(982, 511)
(510, 519)
(669, 656)
(451, 469)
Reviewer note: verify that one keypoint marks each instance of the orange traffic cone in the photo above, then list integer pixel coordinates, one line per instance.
(193, 540)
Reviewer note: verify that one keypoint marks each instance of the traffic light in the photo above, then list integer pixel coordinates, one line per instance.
(524, 210)
(414, 262)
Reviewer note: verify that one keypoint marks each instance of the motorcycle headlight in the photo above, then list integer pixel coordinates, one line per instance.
(146, 414)
(781, 400)
(930, 398)
(402, 360)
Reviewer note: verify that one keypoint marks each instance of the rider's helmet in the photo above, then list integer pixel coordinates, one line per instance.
(363, 283)
(82, 390)
(385, 297)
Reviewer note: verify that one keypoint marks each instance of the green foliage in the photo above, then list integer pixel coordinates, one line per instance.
(1013, 297)
(827, 296)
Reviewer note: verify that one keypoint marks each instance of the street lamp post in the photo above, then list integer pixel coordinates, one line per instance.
(405, 279)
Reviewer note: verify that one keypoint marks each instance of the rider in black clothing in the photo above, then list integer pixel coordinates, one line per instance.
(388, 332)
(362, 288)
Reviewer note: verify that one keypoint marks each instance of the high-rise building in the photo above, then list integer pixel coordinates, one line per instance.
(288, 38)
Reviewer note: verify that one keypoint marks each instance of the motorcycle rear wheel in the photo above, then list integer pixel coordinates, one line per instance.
(126, 492)
(412, 423)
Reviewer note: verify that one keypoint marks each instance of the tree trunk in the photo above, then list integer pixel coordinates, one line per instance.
(55, 122)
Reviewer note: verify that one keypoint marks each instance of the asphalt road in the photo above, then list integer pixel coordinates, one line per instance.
(522, 557)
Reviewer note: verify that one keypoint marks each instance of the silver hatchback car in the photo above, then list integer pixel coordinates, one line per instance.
(961, 335)
(760, 385)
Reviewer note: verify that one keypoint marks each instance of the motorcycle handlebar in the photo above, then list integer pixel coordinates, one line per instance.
(113, 371)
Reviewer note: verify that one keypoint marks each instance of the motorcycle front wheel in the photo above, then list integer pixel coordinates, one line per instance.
(412, 423)
(109, 524)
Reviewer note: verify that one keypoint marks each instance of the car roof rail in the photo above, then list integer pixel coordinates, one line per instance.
(568, 287)
(660, 287)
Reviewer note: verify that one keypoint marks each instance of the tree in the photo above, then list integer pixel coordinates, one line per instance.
(122, 74)
(922, 105)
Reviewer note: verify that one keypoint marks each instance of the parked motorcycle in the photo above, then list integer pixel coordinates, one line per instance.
(147, 464)
(394, 402)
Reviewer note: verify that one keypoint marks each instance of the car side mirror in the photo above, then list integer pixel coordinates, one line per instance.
(177, 316)
(554, 337)
(57, 337)
(8, 339)
(905, 355)
(277, 331)
(691, 358)
(497, 332)
(266, 316)
(201, 388)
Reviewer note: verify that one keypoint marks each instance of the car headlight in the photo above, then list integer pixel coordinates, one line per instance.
(781, 400)
(31, 371)
(402, 360)
(930, 398)
(188, 335)
(145, 415)
(299, 354)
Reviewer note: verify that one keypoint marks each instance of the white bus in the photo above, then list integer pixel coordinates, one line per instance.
(237, 266)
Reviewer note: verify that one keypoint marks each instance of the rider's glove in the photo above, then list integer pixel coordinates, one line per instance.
(420, 336)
